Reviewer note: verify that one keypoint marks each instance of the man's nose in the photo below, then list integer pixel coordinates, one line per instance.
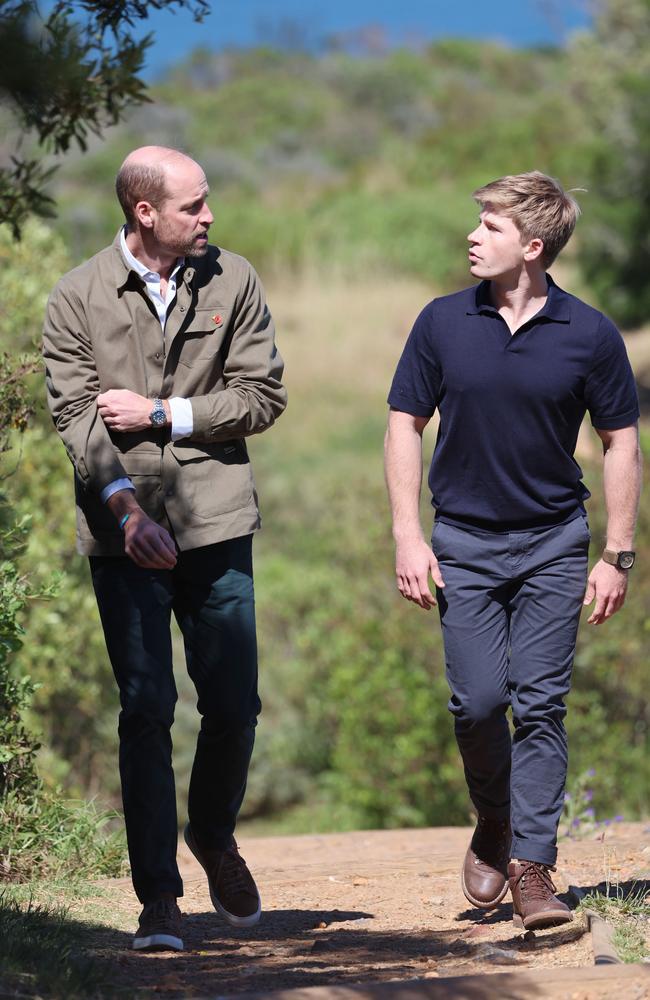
(207, 218)
(473, 236)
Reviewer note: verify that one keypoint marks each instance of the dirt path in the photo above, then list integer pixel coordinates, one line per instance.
(368, 907)
(357, 908)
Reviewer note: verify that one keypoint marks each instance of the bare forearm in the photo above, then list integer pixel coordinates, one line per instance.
(622, 487)
(403, 468)
(415, 563)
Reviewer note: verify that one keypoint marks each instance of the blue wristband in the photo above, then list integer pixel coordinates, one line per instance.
(123, 520)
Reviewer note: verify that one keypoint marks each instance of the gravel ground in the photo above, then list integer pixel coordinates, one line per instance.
(355, 908)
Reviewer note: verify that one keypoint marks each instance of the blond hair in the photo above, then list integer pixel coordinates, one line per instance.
(539, 207)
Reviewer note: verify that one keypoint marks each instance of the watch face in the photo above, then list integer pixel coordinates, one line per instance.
(626, 560)
(158, 418)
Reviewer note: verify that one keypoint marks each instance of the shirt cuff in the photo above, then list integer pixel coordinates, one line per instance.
(182, 418)
(114, 487)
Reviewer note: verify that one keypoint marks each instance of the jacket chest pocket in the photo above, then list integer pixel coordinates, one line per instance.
(204, 335)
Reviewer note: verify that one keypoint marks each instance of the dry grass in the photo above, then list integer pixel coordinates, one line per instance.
(342, 340)
(344, 336)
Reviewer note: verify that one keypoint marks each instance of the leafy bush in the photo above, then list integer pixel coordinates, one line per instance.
(17, 746)
(611, 72)
(47, 835)
(75, 705)
(40, 832)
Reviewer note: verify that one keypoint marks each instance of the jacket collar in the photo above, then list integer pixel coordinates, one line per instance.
(125, 275)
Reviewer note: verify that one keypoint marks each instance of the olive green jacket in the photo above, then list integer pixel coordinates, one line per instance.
(102, 332)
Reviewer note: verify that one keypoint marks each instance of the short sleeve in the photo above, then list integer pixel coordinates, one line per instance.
(610, 389)
(416, 383)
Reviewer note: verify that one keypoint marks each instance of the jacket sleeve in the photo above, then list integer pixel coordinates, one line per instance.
(72, 389)
(253, 396)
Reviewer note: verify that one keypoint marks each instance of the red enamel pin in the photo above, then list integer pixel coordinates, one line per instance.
(217, 319)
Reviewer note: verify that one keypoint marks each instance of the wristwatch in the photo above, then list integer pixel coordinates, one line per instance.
(158, 417)
(622, 560)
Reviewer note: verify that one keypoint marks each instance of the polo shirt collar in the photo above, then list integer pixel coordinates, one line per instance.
(557, 307)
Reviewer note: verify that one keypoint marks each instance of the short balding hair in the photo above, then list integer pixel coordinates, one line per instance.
(539, 207)
(140, 182)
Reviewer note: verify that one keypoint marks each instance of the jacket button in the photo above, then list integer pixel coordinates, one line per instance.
(158, 356)
(182, 309)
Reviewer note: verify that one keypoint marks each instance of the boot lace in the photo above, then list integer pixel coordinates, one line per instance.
(234, 875)
(536, 882)
(160, 913)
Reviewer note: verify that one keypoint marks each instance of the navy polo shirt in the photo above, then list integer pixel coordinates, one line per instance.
(511, 405)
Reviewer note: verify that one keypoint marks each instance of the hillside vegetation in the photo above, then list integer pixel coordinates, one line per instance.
(347, 181)
(366, 164)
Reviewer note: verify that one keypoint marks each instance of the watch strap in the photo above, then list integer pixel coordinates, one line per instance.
(622, 560)
(158, 416)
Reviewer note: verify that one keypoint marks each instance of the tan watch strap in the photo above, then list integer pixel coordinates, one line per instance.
(622, 560)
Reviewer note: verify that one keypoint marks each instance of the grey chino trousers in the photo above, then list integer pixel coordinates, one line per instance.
(509, 612)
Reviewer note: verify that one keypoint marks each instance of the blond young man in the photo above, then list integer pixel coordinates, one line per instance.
(512, 365)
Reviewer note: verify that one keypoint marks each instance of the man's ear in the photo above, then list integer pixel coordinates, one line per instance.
(534, 249)
(144, 213)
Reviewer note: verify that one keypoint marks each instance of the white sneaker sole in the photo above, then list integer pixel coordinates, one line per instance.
(232, 919)
(159, 942)
(249, 921)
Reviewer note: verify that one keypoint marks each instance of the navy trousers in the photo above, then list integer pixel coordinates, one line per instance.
(210, 592)
(509, 612)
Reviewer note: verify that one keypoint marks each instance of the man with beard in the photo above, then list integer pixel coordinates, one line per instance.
(513, 364)
(160, 361)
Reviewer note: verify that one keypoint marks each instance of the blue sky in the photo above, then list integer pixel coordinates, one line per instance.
(249, 22)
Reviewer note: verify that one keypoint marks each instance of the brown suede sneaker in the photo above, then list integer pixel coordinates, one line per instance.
(534, 904)
(159, 927)
(484, 875)
(232, 888)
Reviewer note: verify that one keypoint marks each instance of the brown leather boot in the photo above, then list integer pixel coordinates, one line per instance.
(484, 875)
(534, 904)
